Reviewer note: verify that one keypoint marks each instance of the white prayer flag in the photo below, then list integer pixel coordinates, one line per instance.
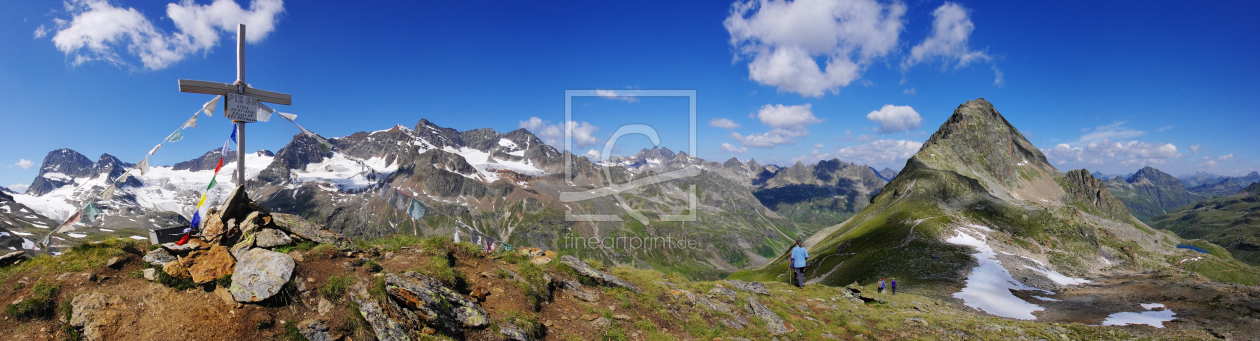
(108, 194)
(192, 122)
(123, 177)
(209, 107)
(155, 148)
(264, 113)
(143, 166)
(288, 116)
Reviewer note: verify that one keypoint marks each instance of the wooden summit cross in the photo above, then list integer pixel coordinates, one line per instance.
(241, 102)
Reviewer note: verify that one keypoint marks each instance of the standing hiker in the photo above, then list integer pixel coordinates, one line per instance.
(797, 263)
(894, 286)
(881, 285)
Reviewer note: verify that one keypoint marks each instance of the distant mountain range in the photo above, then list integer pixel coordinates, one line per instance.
(1150, 192)
(1232, 221)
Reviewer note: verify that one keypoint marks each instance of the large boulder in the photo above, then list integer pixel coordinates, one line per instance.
(94, 312)
(310, 231)
(386, 329)
(586, 270)
(158, 257)
(269, 238)
(260, 274)
(314, 330)
(774, 324)
(438, 306)
(175, 269)
(207, 265)
(12, 257)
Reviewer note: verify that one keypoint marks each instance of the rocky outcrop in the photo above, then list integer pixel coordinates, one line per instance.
(436, 305)
(314, 330)
(94, 312)
(753, 287)
(774, 324)
(386, 329)
(270, 238)
(310, 231)
(586, 270)
(158, 257)
(207, 265)
(1081, 187)
(260, 274)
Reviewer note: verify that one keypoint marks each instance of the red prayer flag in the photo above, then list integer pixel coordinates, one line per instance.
(216, 168)
(184, 240)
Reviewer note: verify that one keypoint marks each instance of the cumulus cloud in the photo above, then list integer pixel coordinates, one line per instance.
(41, 32)
(724, 123)
(24, 163)
(783, 40)
(883, 153)
(790, 117)
(951, 27)
(895, 118)
(1106, 151)
(100, 31)
(1114, 131)
(613, 94)
(583, 133)
(730, 148)
(1226, 157)
(20, 188)
(769, 139)
(592, 154)
(1194, 149)
(1165, 128)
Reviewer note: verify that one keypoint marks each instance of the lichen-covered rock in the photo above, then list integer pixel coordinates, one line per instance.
(245, 244)
(753, 287)
(260, 274)
(314, 330)
(207, 265)
(722, 293)
(310, 231)
(269, 238)
(175, 269)
(251, 223)
(94, 312)
(158, 257)
(512, 332)
(386, 329)
(586, 270)
(774, 324)
(438, 306)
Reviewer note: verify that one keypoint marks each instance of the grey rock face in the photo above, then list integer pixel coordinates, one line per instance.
(260, 274)
(586, 270)
(579, 291)
(269, 238)
(753, 287)
(512, 332)
(158, 257)
(774, 324)
(310, 231)
(440, 307)
(386, 329)
(723, 294)
(314, 330)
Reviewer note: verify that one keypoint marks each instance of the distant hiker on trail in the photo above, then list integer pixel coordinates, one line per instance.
(881, 285)
(797, 263)
(894, 286)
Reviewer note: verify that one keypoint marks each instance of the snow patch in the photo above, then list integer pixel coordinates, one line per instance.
(1155, 318)
(106, 230)
(76, 235)
(1149, 306)
(22, 233)
(988, 287)
(1058, 278)
(1047, 299)
(139, 238)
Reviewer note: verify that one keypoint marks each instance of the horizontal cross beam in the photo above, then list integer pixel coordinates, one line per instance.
(216, 88)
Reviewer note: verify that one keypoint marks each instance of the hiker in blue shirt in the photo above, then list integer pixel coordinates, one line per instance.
(799, 256)
(881, 285)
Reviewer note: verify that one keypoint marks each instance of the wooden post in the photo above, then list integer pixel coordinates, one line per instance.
(240, 88)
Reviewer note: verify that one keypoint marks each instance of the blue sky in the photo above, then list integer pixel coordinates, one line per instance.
(1109, 86)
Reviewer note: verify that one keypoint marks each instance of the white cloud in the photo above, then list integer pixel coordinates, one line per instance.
(20, 188)
(950, 30)
(1114, 131)
(1166, 128)
(909, 91)
(769, 139)
(553, 134)
(883, 153)
(784, 39)
(41, 32)
(592, 154)
(730, 148)
(1226, 157)
(820, 145)
(895, 118)
(1106, 152)
(790, 117)
(97, 30)
(24, 163)
(723, 123)
(1194, 149)
(613, 94)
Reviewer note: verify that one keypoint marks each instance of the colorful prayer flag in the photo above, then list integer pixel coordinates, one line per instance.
(216, 168)
(399, 201)
(225, 148)
(209, 106)
(233, 137)
(212, 182)
(176, 136)
(416, 210)
(90, 211)
(184, 240)
(192, 122)
(196, 219)
(143, 166)
(73, 219)
(203, 200)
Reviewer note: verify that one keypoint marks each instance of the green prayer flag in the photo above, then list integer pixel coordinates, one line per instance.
(176, 136)
(90, 211)
(212, 182)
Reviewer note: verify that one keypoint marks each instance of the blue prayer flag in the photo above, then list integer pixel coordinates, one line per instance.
(196, 220)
